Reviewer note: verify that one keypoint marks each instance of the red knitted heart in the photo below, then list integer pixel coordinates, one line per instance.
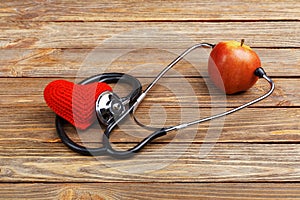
(75, 103)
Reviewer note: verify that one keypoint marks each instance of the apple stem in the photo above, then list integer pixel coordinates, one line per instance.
(242, 42)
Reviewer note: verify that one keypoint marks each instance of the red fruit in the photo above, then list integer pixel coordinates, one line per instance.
(231, 66)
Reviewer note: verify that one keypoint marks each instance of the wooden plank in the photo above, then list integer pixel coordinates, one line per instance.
(27, 117)
(151, 190)
(78, 62)
(29, 92)
(30, 114)
(44, 162)
(265, 125)
(36, 124)
(138, 34)
(122, 10)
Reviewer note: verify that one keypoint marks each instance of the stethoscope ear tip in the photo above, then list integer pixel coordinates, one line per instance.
(260, 72)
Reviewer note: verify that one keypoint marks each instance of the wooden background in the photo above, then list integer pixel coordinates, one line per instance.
(257, 155)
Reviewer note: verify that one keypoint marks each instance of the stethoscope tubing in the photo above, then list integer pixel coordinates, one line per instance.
(163, 131)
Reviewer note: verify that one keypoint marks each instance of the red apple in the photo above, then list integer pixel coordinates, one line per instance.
(231, 66)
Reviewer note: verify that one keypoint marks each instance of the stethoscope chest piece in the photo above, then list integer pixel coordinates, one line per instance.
(109, 107)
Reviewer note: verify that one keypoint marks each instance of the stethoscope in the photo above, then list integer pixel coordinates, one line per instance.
(111, 109)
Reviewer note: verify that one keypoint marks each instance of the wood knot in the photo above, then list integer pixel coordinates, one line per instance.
(73, 194)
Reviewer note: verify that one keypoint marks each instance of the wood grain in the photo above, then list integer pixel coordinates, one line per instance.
(27, 117)
(99, 191)
(122, 10)
(44, 162)
(36, 124)
(132, 34)
(197, 92)
(140, 63)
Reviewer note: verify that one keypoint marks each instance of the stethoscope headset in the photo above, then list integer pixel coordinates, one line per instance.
(111, 109)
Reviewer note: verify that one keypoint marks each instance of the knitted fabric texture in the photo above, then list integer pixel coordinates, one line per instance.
(75, 103)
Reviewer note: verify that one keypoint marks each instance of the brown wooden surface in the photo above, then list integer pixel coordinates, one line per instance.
(256, 155)
(153, 190)
(53, 62)
(122, 10)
